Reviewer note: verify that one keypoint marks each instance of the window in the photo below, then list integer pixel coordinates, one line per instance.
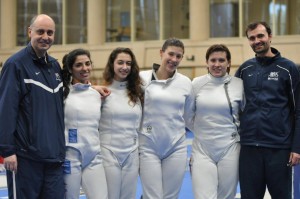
(147, 20)
(224, 18)
(282, 15)
(286, 16)
(54, 10)
(176, 19)
(256, 10)
(76, 21)
(141, 20)
(69, 16)
(26, 10)
(294, 17)
(118, 22)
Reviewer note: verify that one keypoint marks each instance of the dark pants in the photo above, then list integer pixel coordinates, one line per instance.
(261, 167)
(296, 180)
(37, 180)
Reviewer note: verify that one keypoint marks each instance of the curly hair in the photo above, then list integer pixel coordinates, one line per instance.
(68, 61)
(134, 86)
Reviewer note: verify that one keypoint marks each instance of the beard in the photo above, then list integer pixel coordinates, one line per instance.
(261, 48)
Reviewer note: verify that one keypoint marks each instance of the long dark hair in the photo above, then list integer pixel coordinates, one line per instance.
(134, 86)
(68, 61)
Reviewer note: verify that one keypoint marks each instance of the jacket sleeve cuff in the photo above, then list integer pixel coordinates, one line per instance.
(7, 151)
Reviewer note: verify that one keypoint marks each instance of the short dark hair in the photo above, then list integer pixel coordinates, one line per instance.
(254, 25)
(219, 48)
(172, 42)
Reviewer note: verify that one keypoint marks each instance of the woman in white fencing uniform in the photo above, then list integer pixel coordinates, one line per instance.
(121, 115)
(216, 148)
(168, 104)
(83, 165)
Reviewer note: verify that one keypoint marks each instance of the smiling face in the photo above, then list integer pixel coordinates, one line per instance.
(41, 34)
(171, 58)
(81, 69)
(217, 64)
(122, 66)
(260, 40)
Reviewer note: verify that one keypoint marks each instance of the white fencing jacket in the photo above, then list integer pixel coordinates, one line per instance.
(120, 122)
(215, 127)
(82, 116)
(168, 107)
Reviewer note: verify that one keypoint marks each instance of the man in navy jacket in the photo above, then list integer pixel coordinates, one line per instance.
(270, 123)
(31, 115)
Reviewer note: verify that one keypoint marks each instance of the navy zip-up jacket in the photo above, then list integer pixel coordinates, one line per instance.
(271, 116)
(31, 107)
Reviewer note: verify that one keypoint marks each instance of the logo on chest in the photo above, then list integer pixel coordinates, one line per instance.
(57, 77)
(273, 76)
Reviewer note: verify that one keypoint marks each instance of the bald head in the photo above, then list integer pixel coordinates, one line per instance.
(41, 32)
(41, 17)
